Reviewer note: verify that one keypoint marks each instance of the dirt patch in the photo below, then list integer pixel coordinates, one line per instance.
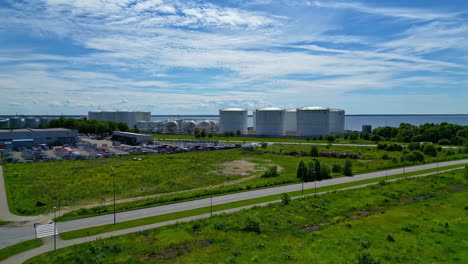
(174, 251)
(238, 167)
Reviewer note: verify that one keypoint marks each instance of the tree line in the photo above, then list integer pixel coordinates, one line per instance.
(442, 134)
(89, 126)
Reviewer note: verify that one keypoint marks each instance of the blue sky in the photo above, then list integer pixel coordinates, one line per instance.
(195, 57)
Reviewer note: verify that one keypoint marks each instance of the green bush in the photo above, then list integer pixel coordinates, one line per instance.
(271, 172)
(414, 146)
(366, 258)
(252, 224)
(314, 151)
(444, 142)
(430, 149)
(348, 168)
(337, 168)
(325, 172)
(285, 199)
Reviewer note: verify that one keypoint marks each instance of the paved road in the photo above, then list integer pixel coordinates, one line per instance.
(48, 242)
(10, 236)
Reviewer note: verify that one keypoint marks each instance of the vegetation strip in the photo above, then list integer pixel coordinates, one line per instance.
(18, 248)
(404, 232)
(167, 217)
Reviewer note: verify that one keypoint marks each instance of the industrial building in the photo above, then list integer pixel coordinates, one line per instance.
(336, 121)
(270, 121)
(233, 120)
(131, 118)
(26, 137)
(131, 138)
(312, 121)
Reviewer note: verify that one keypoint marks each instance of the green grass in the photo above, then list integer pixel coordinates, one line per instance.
(419, 220)
(81, 182)
(18, 248)
(167, 217)
(3, 223)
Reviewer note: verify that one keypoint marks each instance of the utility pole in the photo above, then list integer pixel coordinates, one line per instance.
(113, 187)
(55, 230)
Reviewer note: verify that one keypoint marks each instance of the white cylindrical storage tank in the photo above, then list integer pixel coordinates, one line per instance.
(16, 122)
(44, 121)
(188, 126)
(336, 121)
(30, 122)
(156, 126)
(4, 123)
(143, 126)
(108, 116)
(232, 120)
(291, 120)
(312, 121)
(214, 126)
(205, 126)
(270, 121)
(172, 127)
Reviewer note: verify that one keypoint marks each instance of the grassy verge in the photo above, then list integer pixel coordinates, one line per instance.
(420, 220)
(198, 211)
(3, 223)
(18, 248)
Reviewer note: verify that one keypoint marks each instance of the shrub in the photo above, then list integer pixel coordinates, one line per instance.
(444, 142)
(252, 224)
(466, 172)
(366, 258)
(385, 156)
(375, 138)
(390, 238)
(382, 146)
(413, 156)
(430, 150)
(394, 147)
(414, 146)
(264, 145)
(271, 172)
(348, 168)
(449, 152)
(331, 138)
(301, 172)
(325, 172)
(314, 151)
(285, 199)
(337, 168)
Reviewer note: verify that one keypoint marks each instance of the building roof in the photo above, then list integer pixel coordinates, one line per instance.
(316, 108)
(34, 130)
(270, 109)
(232, 109)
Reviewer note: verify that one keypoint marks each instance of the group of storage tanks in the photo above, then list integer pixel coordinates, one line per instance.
(178, 126)
(29, 122)
(273, 121)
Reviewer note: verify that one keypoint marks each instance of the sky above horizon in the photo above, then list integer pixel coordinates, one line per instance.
(195, 57)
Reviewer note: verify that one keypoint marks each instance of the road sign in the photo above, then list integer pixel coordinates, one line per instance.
(46, 230)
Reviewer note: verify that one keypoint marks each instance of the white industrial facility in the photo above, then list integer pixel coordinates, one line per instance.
(233, 120)
(128, 117)
(272, 121)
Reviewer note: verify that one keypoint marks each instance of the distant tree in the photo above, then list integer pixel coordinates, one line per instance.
(135, 129)
(301, 171)
(231, 134)
(465, 147)
(210, 135)
(226, 134)
(263, 145)
(238, 133)
(337, 168)
(414, 146)
(466, 172)
(348, 168)
(354, 136)
(375, 138)
(203, 134)
(314, 151)
(318, 171)
(430, 149)
(310, 175)
(331, 138)
(197, 133)
(365, 136)
(320, 137)
(325, 171)
(307, 138)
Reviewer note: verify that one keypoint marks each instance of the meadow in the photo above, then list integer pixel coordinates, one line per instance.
(420, 220)
(79, 182)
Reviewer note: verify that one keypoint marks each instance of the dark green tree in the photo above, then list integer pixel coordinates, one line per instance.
(318, 171)
(348, 168)
(310, 176)
(238, 133)
(301, 172)
(314, 151)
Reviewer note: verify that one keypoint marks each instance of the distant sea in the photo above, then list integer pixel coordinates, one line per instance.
(352, 122)
(355, 122)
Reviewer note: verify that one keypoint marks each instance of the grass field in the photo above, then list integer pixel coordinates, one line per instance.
(82, 182)
(204, 210)
(20, 247)
(422, 220)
